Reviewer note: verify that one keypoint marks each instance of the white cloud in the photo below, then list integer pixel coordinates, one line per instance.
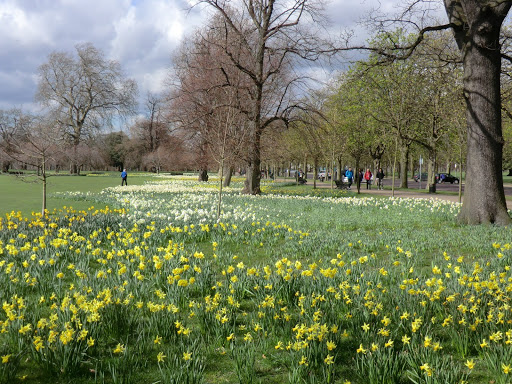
(140, 34)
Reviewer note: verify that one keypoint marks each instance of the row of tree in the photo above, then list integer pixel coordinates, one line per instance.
(411, 87)
(239, 97)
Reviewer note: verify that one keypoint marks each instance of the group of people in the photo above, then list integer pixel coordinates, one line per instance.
(367, 176)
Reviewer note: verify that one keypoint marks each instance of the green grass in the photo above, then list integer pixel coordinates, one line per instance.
(255, 231)
(25, 193)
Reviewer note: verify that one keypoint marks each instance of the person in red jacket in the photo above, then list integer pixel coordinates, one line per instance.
(368, 178)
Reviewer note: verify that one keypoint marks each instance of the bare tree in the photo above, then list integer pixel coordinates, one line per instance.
(208, 100)
(262, 39)
(151, 129)
(84, 92)
(33, 141)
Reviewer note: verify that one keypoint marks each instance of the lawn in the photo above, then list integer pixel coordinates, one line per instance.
(25, 193)
(294, 286)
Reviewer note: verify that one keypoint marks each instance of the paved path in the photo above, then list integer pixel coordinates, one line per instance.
(414, 192)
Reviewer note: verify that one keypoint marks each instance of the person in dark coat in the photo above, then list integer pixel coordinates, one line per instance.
(380, 178)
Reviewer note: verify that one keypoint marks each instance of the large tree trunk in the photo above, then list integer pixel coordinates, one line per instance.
(484, 197)
(203, 161)
(431, 169)
(253, 176)
(404, 161)
(477, 25)
(75, 168)
(228, 172)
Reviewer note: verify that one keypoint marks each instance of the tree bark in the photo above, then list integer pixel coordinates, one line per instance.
(477, 26)
(484, 197)
(404, 160)
(315, 171)
(431, 167)
(228, 172)
(253, 176)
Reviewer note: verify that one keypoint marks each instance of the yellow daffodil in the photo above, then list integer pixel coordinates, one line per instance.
(470, 364)
(120, 348)
(330, 345)
(160, 357)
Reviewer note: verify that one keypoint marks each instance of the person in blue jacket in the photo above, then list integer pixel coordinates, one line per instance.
(124, 177)
(349, 174)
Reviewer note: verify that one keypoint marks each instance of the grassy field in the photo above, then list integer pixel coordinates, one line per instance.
(296, 286)
(25, 193)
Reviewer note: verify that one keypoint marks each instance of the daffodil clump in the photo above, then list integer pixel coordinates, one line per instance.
(296, 289)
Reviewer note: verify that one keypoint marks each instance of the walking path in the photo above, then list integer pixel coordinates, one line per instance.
(413, 192)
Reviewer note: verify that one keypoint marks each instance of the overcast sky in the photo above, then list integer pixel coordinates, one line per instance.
(140, 34)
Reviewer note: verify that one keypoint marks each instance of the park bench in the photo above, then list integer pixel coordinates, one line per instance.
(340, 184)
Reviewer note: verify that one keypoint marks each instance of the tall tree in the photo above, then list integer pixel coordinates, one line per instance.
(267, 38)
(210, 92)
(477, 25)
(84, 92)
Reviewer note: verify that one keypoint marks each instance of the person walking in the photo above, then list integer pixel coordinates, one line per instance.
(124, 177)
(368, 177)
(380, 177)
(360, 177)
(349, 174)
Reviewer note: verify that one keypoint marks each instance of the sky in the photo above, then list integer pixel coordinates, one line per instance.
(140, 34)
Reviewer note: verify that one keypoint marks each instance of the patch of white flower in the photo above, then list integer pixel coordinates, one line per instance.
(184, 201)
